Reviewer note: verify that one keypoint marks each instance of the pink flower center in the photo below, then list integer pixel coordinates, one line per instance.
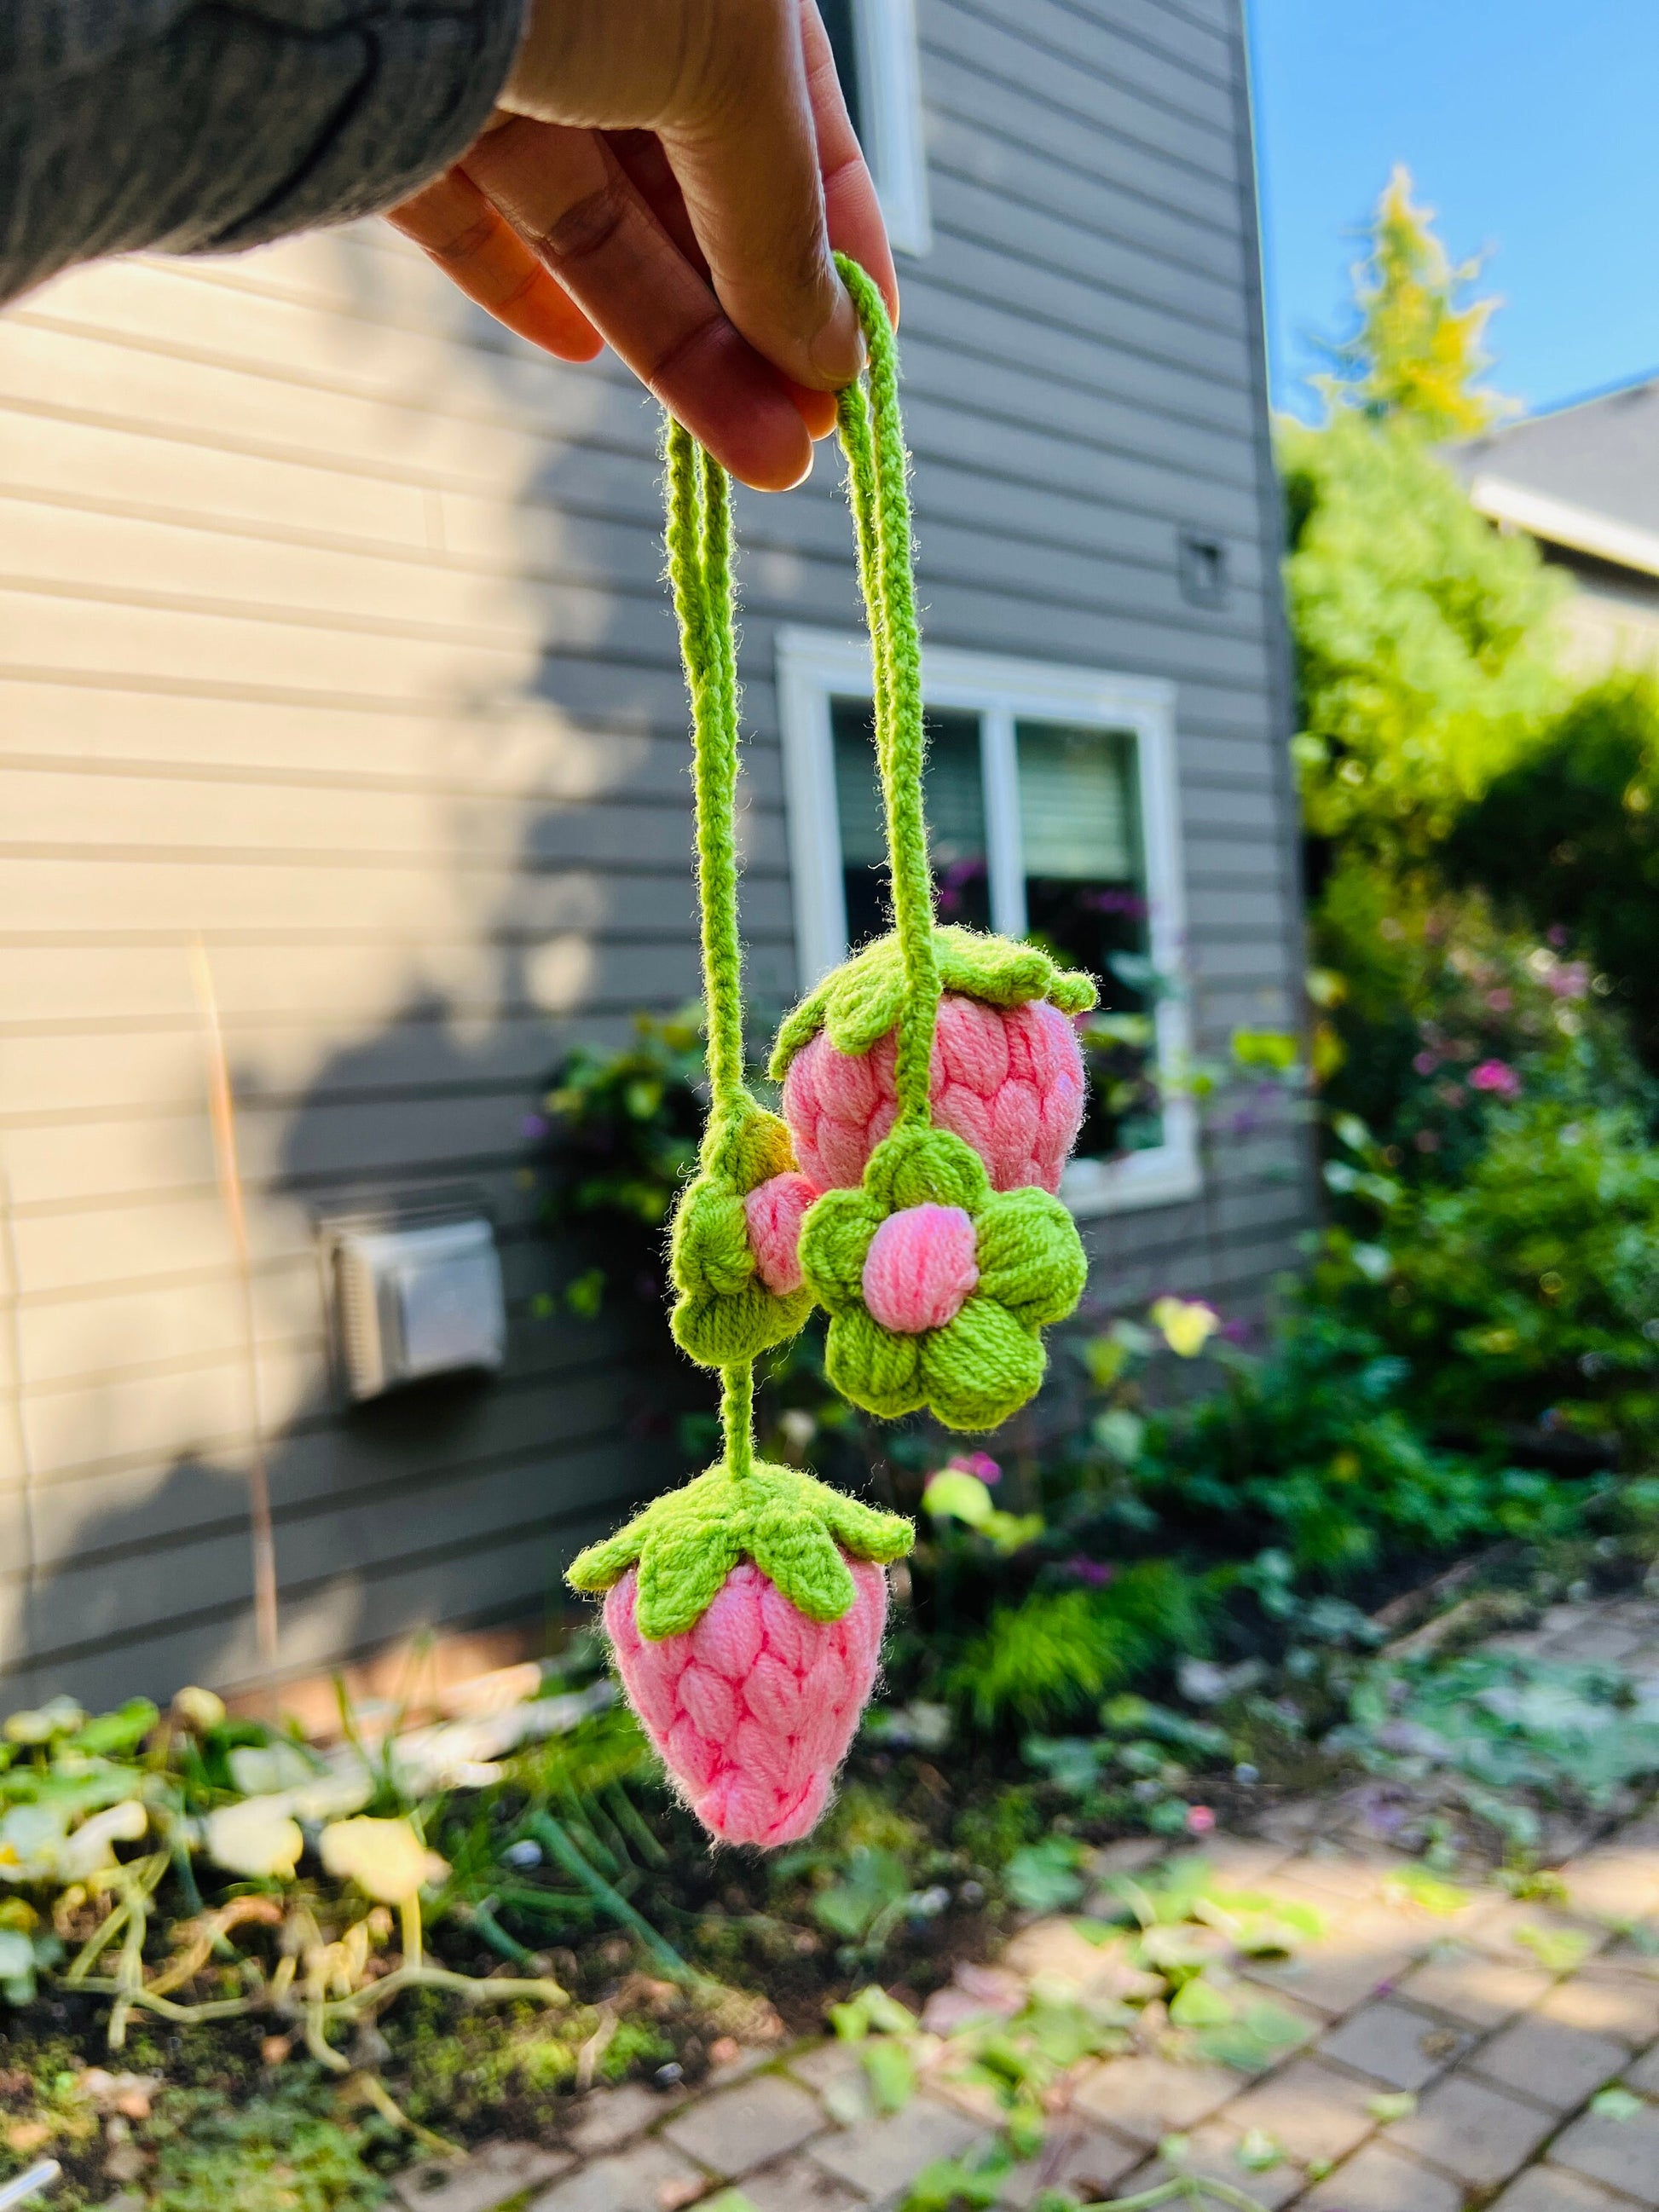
(773, 1210)
(920, 1268)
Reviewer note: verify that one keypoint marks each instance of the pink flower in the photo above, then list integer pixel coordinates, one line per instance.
(1500, 1001)
(1425, 1063)
(1496, 1075)
(1199, 1819)
(1569, 980)
(979, 1464)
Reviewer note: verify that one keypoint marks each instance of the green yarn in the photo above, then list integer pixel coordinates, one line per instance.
(984, 1364)
(723, 1313)
(794, 1528)
(858, 1002)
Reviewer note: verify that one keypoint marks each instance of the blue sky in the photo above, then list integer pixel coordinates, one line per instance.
(1531, 126)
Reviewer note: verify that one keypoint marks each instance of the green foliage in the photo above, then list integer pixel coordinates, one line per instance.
(1060, 1650)
(1311, 1448)
(1568, 838)
(621, 1128)
(277, 2155)
(1415, 356)
(1426, 651)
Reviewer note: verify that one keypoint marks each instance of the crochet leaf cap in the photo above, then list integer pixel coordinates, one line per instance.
(857, 1003)
(794, 1528)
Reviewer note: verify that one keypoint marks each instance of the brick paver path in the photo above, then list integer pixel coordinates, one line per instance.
(1504, 2050)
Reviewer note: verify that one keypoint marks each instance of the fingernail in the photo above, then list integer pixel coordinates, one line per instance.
(837, 352)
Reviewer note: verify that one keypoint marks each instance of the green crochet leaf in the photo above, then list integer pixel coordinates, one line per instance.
(793, 1525)
(1031, 1257)
(860, 1001)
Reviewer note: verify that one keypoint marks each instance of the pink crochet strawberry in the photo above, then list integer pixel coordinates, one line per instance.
(745, 1613)
(1006, 1072)
(753, 1710)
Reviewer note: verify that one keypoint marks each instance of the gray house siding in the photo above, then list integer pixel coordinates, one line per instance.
(332, 631)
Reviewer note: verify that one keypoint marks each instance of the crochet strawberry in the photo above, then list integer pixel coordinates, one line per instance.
(1006, 1070)
(731, 1252)
(745, 1613)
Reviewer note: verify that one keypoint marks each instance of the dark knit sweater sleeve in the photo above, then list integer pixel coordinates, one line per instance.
(197, 126)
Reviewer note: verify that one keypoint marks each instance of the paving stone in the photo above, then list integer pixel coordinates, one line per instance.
(1395, 2043)
(1312, 2111)
(1624, 2154)
(1472, 1987)
(612, 2117)
(795, 2184)
(492, 2174)
(1554, 2065)
(1354, 1877)
(1481, 2135)
(1503, 1929)
(1150, 2097)
(1644, 2074)
(747, 2126)
(826, 2063)
(1100, 1971)
(1604, 2001)
(1212, 2153)
(1551, 2189)
(1381, 2179)
(1128, 1856)
(1617, 1882)
(1089, 2162)
(1361, 1949)
(1241, 1861)
(643, 2179)
(881, 2158)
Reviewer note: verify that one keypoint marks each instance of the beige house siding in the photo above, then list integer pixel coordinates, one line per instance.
(332, 632)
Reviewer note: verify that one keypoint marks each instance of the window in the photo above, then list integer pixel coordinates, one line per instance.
(874, 43)
(1051, 808)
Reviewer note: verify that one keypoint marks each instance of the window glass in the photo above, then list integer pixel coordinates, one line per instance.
(1085, 900)
(838, 21)
(956, 819)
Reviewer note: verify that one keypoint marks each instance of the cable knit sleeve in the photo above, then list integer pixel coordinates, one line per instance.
(185, 126)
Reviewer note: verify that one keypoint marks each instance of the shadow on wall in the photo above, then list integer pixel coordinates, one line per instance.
(457, 1503)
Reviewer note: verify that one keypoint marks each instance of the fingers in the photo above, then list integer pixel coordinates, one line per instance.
(567, 194)
(856, 226)
(743, 145)
(454, 222)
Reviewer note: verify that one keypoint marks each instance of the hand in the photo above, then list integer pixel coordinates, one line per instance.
(671, 176)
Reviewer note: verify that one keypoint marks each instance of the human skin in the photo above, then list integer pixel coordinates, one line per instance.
(672, 178)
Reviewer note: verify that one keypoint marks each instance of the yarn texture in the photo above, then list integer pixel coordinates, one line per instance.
(985, 1358)
(753, 1708)
(1009, 1081)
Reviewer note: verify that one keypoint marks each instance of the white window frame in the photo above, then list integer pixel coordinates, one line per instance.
(889, 99)
(816, 666)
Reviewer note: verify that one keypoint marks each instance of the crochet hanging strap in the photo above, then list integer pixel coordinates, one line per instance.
(937, 1285)
(746, 1611)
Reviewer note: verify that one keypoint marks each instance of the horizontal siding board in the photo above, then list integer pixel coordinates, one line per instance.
(1028, 52)
(1101, 37)
(981, 116)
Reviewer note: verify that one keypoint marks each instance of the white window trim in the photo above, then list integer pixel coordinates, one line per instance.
(815, 666)
(889, 96)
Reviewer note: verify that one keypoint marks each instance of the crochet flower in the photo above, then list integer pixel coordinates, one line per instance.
(732, 1249)
(745, 1612)
(936, 1285)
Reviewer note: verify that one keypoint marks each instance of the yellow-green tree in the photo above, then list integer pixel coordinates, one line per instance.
(1426, 646)
(1416, 355)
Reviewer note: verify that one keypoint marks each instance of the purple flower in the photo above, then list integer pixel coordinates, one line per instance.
(1426, 1062)
(1498, 1076)
(1093, 1571)
(533, 1125)
(1569, 980)
(979, 1464)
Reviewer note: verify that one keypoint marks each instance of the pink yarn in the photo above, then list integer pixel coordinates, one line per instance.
(1007, 1079)
(921, 1267)
(753, 1709)
(775, 1210)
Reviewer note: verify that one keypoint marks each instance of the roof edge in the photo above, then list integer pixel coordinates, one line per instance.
(1559, 523)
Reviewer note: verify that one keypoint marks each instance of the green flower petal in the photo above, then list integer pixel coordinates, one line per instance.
(835, 1238)
(601, 1565)
(861, 1000)
(927, 1167)
(680, 1574)
(873, 1366)
(1031, 1257)
(980, 1367)
(865, 1531)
